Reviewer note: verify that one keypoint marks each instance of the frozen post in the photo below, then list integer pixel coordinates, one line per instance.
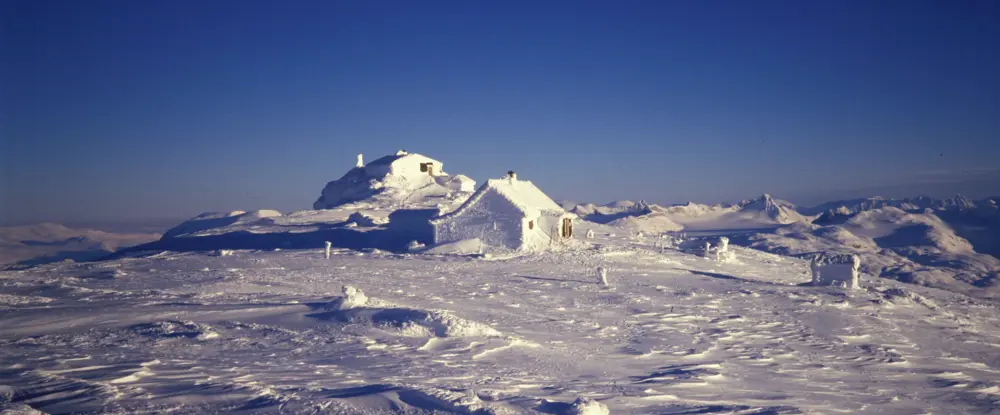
(603, 274)
(707, 249)
(328, 245)
(590, 234)
(722, 253)
(361, 161)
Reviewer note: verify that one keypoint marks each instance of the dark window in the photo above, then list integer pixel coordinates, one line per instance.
(531, 224)
(423, 167)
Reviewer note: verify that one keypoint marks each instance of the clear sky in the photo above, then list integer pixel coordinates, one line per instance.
(171, 108)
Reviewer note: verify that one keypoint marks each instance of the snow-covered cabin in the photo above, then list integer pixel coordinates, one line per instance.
(506, 213)
(404, 164)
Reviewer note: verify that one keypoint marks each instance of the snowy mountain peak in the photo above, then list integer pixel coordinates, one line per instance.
(778, 210)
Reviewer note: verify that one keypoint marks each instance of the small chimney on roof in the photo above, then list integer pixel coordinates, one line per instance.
(511, 176)
(401, 153)
(361, 160)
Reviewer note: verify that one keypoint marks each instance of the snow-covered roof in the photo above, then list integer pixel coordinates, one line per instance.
(521, 193)
(392, 158)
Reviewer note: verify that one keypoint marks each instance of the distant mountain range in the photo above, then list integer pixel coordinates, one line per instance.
(764, 211)
(842, 207)
(50, 242)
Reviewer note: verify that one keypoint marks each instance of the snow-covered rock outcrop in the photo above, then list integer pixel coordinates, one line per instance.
(402, 180)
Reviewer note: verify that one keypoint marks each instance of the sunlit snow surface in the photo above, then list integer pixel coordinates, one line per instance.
(673, 334)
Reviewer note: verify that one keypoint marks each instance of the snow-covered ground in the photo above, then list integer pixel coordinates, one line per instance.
(675, 333)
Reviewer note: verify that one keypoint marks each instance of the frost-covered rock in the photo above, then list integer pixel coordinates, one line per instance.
(353, 298)
(446, 324)
(587, 406)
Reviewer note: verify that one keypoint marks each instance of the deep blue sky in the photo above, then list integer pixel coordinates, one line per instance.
(170, 108)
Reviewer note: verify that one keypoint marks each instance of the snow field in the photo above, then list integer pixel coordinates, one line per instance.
(675, 333)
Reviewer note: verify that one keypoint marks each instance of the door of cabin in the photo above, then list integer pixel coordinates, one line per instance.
(567, 228)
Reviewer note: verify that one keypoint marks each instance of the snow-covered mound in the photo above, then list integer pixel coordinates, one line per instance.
(49, 242)
(357, 308)
(403, 180)
(893, 228)
(213, 220)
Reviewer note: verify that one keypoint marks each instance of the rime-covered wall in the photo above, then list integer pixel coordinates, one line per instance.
(549, 226)
(406, 166)
(492, 218)
(836, 270)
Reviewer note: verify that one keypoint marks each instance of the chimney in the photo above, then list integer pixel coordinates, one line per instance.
(361, 160)
(511, 176)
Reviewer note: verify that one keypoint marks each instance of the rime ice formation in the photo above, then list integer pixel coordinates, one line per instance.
(839, 270)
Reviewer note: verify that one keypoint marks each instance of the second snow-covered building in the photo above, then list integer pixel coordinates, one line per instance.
(506, 213)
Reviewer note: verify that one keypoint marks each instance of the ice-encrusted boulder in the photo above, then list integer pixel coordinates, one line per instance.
(353, 298)
(587, 406)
